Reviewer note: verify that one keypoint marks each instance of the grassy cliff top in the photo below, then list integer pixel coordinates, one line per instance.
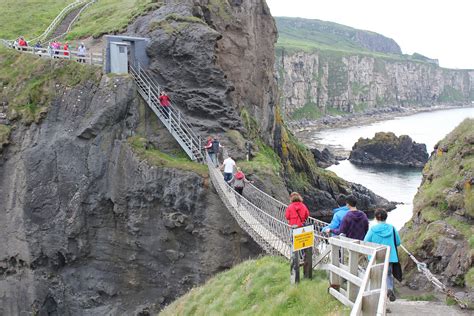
(29, 18)
(258, 287)
(310, 35)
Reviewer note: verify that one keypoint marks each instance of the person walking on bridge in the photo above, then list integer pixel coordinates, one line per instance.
(354, 224)
(386, 234)
(228, 166)
(296, 213)
(239, 180)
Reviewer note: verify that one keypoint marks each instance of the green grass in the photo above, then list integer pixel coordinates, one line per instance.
(178, 160)
(29, 18)
(295, 34)
(311, 111)
(4, 135)
(31, 83)
(422, 297)
(258, 287)
(109, 17)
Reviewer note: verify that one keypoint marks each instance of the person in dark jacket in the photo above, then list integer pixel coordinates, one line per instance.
(355, 224)
(296, 213)
(385, 234)
(216, 146)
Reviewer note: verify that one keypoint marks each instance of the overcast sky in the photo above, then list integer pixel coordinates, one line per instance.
(442, 29)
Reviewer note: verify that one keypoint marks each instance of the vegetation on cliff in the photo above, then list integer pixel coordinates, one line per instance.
(110, 17)
(31, 83)
(441, 229)
(258, 287)
(157, 158)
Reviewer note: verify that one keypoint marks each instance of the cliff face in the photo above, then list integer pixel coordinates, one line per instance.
(441, 229)
(328, 83)
(88, 227)
(215, 58)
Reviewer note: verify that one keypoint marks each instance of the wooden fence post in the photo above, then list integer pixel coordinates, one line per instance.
(308, 263)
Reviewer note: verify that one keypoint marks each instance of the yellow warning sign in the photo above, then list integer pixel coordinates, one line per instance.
(303, 237)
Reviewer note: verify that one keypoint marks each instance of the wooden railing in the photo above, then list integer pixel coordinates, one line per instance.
(355, 281)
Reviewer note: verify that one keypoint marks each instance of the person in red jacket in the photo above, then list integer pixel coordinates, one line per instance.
(66, 49)
(296, 213)
(165, 103)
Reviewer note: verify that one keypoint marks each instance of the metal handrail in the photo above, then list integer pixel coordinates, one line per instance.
(58, 19)
(74, 20)
(172, 119)
(155, 86)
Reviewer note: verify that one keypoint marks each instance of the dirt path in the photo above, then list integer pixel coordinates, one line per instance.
(62, 27)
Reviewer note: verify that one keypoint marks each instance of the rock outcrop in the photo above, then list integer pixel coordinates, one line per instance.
(441, 229)
(388, 149)
(215, 59)
(324, 158)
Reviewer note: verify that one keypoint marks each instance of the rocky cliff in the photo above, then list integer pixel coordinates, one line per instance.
(323, 83)
(88, 227)
(329, 69)
(388, 149)
(441, 229)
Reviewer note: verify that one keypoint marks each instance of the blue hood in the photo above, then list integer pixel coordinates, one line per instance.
(383, 230)
(342, 208)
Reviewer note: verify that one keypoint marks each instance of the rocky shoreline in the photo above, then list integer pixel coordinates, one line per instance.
(363, 118)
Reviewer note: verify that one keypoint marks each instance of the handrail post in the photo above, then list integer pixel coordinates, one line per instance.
(149, 94)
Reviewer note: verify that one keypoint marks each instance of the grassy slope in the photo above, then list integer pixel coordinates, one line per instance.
(432, 204)
(109, 17)
(304, 36)
(28, 17)
(258, 287)
(179, 160)
(30, 83)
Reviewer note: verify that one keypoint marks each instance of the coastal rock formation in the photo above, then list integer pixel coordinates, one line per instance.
(441, 229)
(388, 149)
(325, 69)
(324, 158)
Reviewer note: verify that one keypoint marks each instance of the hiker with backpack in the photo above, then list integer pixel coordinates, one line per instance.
(386, 234)
(296, 213)
(354, 224)
(213, 147)
(239, 180)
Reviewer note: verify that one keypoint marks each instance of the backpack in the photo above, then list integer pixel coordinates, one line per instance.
(239, 175)
(215, 146)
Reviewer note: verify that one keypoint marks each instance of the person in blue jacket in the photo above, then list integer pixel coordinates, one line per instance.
(385, 234)
(338, 215)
